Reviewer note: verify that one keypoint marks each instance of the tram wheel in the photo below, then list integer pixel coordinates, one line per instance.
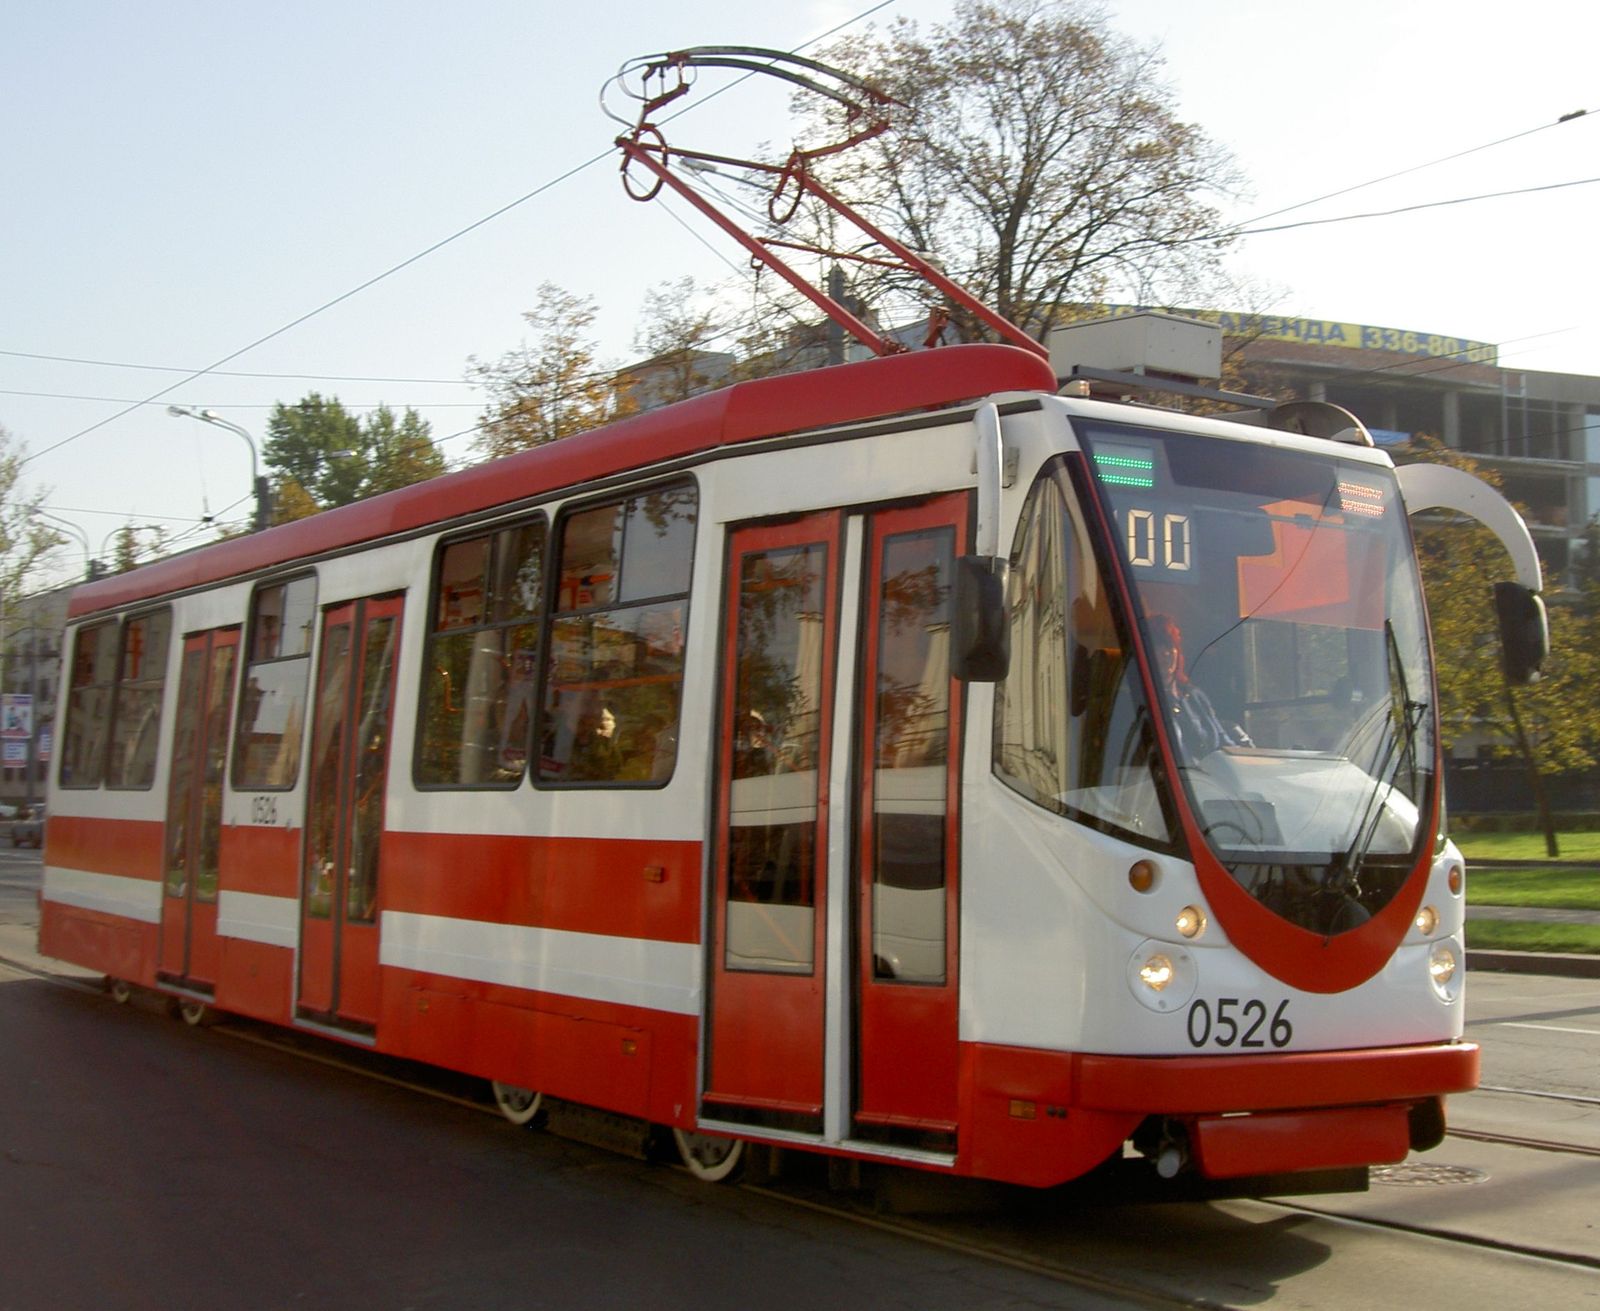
(193, 1013)
(710, 1157)
(519, 1105)
(120, 990)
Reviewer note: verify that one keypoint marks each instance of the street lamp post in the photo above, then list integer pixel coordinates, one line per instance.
(258, 483)
(91, 568)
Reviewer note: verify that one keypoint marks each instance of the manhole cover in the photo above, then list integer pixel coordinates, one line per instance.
(1416, 1174)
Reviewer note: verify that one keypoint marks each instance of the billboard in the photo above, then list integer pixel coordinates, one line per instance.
(16, 716)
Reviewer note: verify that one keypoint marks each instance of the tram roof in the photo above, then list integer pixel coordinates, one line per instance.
(747, 411)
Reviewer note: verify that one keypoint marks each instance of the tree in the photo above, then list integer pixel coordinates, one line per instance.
(321, 455)
(129, 552)
(25, 540)
(548, 388)
(1550, 726)
(398, 452)
(1041, 163)
(678, 324)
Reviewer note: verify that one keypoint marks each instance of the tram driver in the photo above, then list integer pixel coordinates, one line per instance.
(1199, 728)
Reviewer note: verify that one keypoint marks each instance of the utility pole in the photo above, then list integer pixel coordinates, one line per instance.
(835, 328)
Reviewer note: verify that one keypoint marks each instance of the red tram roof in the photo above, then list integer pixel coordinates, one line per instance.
(747, 411)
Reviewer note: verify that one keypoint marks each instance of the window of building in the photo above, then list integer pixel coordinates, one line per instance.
(272, 706)
(88, 721)
(480, 668)
(136, 701)
(614, 667)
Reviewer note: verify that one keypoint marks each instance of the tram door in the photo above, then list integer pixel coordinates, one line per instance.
(344, 813)
(189, 948)
(768, 997)
(906, 837)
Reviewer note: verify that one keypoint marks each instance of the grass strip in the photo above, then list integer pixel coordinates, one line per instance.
(1561, 889)
(1518, 935)
(1490, 847)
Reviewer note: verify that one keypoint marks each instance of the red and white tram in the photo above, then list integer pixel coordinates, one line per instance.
(898, 760)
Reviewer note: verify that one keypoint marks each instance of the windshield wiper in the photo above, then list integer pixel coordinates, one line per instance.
(1399, 751)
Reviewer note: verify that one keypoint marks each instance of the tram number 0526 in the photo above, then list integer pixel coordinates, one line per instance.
(1232, 1022)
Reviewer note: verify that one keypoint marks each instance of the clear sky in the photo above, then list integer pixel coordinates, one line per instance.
(182, 178)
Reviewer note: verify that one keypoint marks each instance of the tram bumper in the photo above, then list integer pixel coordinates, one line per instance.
(1286, 1112)
(1043, 1119)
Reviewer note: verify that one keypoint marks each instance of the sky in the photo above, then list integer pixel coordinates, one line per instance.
(184, 179)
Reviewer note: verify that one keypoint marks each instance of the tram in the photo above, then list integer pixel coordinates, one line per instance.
(900, 760)
(913, 760)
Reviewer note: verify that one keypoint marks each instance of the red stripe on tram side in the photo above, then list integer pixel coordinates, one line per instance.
(256, 858)
(128, 848)
(112, 944)
(626, 1059)
(624, 888)
(116, 945)
(256, 979)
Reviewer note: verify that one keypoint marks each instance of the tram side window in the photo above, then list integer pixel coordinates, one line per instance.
(614, 672)
(480, 670)
(1070, 731)
(94, 668)
(272, 706)
(136, 701)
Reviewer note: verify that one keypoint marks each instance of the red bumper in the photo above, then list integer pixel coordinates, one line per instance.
(1042, 1118)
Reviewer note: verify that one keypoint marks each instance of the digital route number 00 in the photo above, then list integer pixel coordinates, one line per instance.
(1159, 541)
(1230, 1022)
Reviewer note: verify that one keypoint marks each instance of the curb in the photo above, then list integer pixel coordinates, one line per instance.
(1571, 966)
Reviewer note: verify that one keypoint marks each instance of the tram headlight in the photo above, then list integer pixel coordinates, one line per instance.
(1162, 975)
(1427, 921)
(1191, 921)
(1444, 969)
(1157, 972)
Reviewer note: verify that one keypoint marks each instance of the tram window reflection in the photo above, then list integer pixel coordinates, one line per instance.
(480, 666)
(911, 754)
(772, 799)
(94, 667)
(1071, 731)
(613, 683)
(272, 703)
(136, 702)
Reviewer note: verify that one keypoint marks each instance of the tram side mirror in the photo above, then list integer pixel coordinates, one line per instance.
(980, 638)
(1524, 632)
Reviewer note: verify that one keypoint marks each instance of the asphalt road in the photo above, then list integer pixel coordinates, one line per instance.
(145, 1164)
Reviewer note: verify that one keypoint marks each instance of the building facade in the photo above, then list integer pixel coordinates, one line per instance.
(30, 685)
(1539, 431)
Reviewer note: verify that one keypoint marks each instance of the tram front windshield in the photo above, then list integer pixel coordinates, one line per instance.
(1281, 613)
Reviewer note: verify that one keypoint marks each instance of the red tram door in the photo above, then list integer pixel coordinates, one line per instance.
(189, 949)
(767, 1006)
(344, 813)
(908, 737)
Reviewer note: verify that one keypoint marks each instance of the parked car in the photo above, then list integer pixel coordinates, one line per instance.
(28, 831)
